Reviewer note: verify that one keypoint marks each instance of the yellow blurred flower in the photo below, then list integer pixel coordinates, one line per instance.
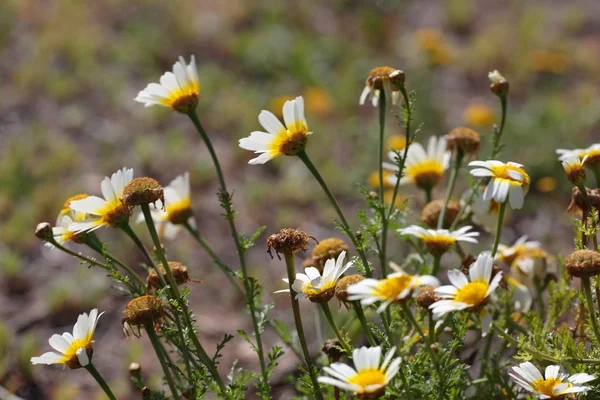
(373, 179)
(318, 101)
(396, 142)
(479, 115)
(400, 198)
(546, 184)
(276, 105)
(432, 43)
(548, 61)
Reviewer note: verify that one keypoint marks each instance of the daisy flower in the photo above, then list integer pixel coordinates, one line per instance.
(470, 294)
(73, 350)
(178, 90)
(279, 140)
(61, 232)
(319, 288)
(398, 286)
(107, 211)
(573, 166)
(509, 181)
(521, 296)
(525, 258)
(424, 168)
(553, 384)
(438, 241)
(381, 79)
(592, 153)
(521, 247)
(485, 212)
(369, 376)
(177, 210)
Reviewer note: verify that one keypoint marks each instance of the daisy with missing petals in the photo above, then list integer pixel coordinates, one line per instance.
(319, 288)
(397, 287)
(553, 385)
(178, 90)
(381, 79)
(177, 210)
(509, 181)
(107, 211)
(424, 168)
(438, 241)
(573, 166)
(73, 350)
(368, 378)
(279, 140)
(469, 294)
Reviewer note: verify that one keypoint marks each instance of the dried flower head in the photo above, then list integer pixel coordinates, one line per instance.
(341, 292)
(578, 204)
(143, 191)
(583, 263)
(326, 249)
(141, 311)
(380, 79)
(179, 271)
(427, 297)
(499, 85)
(333, 349)
(432, 210)
(465, 140)
(288, 240)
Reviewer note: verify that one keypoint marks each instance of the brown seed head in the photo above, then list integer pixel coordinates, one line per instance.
(186, 104)
(465, 140)
(294, 144)
(142, 310)
(378, 76)
(142, 191)
(583, 263)
(341, 292)
(333, 349)
(179, 271)
(43, 231)
(326, 249)
(288, 241)
(431, 213)
(427, 297)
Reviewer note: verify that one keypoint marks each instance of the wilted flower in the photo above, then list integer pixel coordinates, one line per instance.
(382, 79)
(110, 211)
(178, 90)
(368, 378)
(470, 294)
(438, 241)
(464, 140)
(553, 385)
(398, 286)
(499, 84)
(583, 263)
(141, 311)
(74, 350)
(423, 168)
(432, 210)
(279, 140)
(509, 181)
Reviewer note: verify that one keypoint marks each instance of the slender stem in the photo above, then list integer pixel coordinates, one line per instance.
(432, 333)
(408, 108)
(453, 174)
(92, 245)
(127, 229)
(411, 319)
(436, 264)
(588, 205)
(225, 199)
(94, 372)
(428, 197)
(499, 228)
(290, 264)
(381, 140)
(363, 321)
(587, 292)
(597, 290)
(161, 358)
(311, 167)
(466, 205)
(77, 255)
(177, 295)
(338, 334)
(539, 290)
(503, 104)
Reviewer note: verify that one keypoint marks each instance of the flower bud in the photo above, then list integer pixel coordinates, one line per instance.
(499, 84)
(43, 231)
(142, 191)
(333, 349)
(583, 263)
(141, 311)
(341, 292)
(179, 271)
(326, 249)
(432, 210)
(135, 370)
(463, 140)
(287, 241)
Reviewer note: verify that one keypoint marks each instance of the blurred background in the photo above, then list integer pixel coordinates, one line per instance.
(69, 71)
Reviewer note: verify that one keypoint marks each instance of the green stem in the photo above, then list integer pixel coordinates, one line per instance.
(453, 174)
(77, 255)
(132, 235)
(225, 199)
(436, 264)
(466, 205)
(92, 245)
(177, 296)
(588, 205)
(428, 197)
(539, 290)
(499, 227)
(408, 108)
(363, 321)
(290, 264)
(338, 334)
(161, 358)
(587, 291)
(384, 221)
(94, 372)
(411, 319)
(432, 333)
(311, 167)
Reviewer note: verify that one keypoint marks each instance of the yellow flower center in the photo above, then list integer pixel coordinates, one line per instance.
(114, 213)
(178, 212)
(426, 174)
(184, 98)
(593, 157)
(501, 172)
(390, 288)
(70, 353)
(367, 377)
(473, 293)
(546, 386)
(289, 142)
(439, 244)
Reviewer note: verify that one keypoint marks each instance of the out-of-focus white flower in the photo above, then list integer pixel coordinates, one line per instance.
(438, 241)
